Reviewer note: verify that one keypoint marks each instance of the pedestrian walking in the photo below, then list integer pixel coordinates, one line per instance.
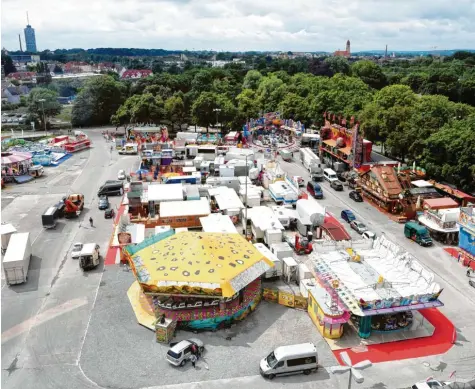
(193, 360)
(469, 271)
(91, 222)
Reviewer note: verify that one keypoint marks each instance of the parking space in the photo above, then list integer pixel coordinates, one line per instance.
(119, 353)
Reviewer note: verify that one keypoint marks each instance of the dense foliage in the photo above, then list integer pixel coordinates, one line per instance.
(409, 107)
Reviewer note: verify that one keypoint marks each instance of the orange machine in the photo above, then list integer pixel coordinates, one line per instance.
(74, 204)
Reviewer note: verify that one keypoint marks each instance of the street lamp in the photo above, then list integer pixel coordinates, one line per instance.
(217, 110)
(43, 109)
(353, 369)
(245, 195)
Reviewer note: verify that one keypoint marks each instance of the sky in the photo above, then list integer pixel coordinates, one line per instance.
(243, 25)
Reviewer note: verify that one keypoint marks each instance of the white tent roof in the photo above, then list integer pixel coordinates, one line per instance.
(165, 192)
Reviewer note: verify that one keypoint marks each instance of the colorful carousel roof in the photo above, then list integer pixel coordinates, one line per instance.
(198, 263)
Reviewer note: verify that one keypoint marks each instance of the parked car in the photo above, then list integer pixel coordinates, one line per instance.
(315, 190)
(76, 250)
(355, 196)
(336, 184)
(180, 352)
(299, 180)
(109, 213)
(348, 216)
(429, 384)
(103, 203)
(121, 175)
(358, 226)
(369, 235)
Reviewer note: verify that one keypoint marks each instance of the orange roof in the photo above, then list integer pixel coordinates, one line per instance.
(387, 179)
(441, 203)
(330, 142)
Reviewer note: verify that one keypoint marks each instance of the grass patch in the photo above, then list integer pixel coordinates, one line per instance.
(65, 115)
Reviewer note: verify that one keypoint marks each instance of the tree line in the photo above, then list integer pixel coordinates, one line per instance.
(417, 110)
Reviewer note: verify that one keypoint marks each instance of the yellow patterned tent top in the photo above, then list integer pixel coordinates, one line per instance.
(199, 263)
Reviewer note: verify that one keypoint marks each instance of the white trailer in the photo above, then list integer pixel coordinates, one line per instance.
(227, 200)
(129, 149)
(6, 231)
(312, 163)
(237, 153)
(283, 192)
(275, 271)
(262, 219)
(282, 214)
(217, 222)
(272, 236)
(312, 211)
(226, 171)
(282, 250)
(17, 258)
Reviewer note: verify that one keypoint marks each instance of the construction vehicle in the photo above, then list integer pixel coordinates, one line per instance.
(74, 204)
(302, 244)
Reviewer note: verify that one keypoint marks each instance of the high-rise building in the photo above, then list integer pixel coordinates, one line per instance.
(30, 38)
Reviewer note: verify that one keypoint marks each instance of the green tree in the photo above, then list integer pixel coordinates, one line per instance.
(7, 64)
(100, 98)
(204, 114)
(338, 65)
(449, 154)
(370, 73)
(42, 104)
(175, 110)
(295, 107)
(270, 92)
(252, 80)
(247, 104)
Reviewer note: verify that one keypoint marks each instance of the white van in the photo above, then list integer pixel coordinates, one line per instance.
(286, 360)
(330, 175)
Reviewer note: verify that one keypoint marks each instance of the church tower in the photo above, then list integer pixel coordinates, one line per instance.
(348, 50)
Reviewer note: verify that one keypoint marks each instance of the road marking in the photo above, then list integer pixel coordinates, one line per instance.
(43, 317)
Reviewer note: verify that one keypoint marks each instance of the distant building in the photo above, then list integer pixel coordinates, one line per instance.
(132, 74)
(22, 77)
(30, 39)
(344, 53)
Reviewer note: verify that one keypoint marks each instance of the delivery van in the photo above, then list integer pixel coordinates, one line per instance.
(417, 233)
(330, 175)
(111, 188)
(286, 360)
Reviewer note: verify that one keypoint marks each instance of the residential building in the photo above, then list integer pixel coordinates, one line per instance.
(23, 77)
(132, 74)
(12, 94)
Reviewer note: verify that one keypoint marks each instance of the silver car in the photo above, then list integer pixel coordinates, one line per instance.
(76, 250)
(180, 352)
(358, 226)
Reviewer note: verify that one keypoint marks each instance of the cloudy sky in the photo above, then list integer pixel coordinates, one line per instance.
(239, 25)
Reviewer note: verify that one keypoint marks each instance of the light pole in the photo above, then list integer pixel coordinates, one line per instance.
(43, 109)
(245, 195)
(217, 110)
(353, 369)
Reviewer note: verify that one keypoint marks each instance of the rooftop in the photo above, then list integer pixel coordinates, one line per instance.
(444, 202)
(217, 222)
(225, 263)
(185, 208)
(165, 192)
(375, 275)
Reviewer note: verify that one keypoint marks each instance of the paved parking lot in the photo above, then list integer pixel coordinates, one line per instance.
(119, 353)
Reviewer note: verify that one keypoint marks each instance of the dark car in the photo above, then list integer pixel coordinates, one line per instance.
(315, 190)
(347, 215)
(109, 213)
(354, 195)
(337, 185)
(103, 202)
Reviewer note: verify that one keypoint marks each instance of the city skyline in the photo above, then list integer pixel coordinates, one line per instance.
(232, 25)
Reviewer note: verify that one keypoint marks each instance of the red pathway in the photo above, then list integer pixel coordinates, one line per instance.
(112, 251)
(439, 343)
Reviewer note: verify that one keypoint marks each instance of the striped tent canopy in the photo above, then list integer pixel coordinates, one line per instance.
(14, 157)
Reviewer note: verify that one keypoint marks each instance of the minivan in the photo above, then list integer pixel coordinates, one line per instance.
(329, 175)
(315, 190)
(417, 233)
(286, 360)
(111, 188)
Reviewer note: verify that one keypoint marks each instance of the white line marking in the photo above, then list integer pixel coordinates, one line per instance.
(42, 317)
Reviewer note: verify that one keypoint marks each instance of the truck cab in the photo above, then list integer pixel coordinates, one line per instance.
(89, 256)
(417, 233)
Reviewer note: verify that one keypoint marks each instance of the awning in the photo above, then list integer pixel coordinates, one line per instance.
(345, 150)
(330, 142)
(414, 307)
(434, 226)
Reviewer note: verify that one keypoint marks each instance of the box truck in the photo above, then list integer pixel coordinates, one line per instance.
(17, 258)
